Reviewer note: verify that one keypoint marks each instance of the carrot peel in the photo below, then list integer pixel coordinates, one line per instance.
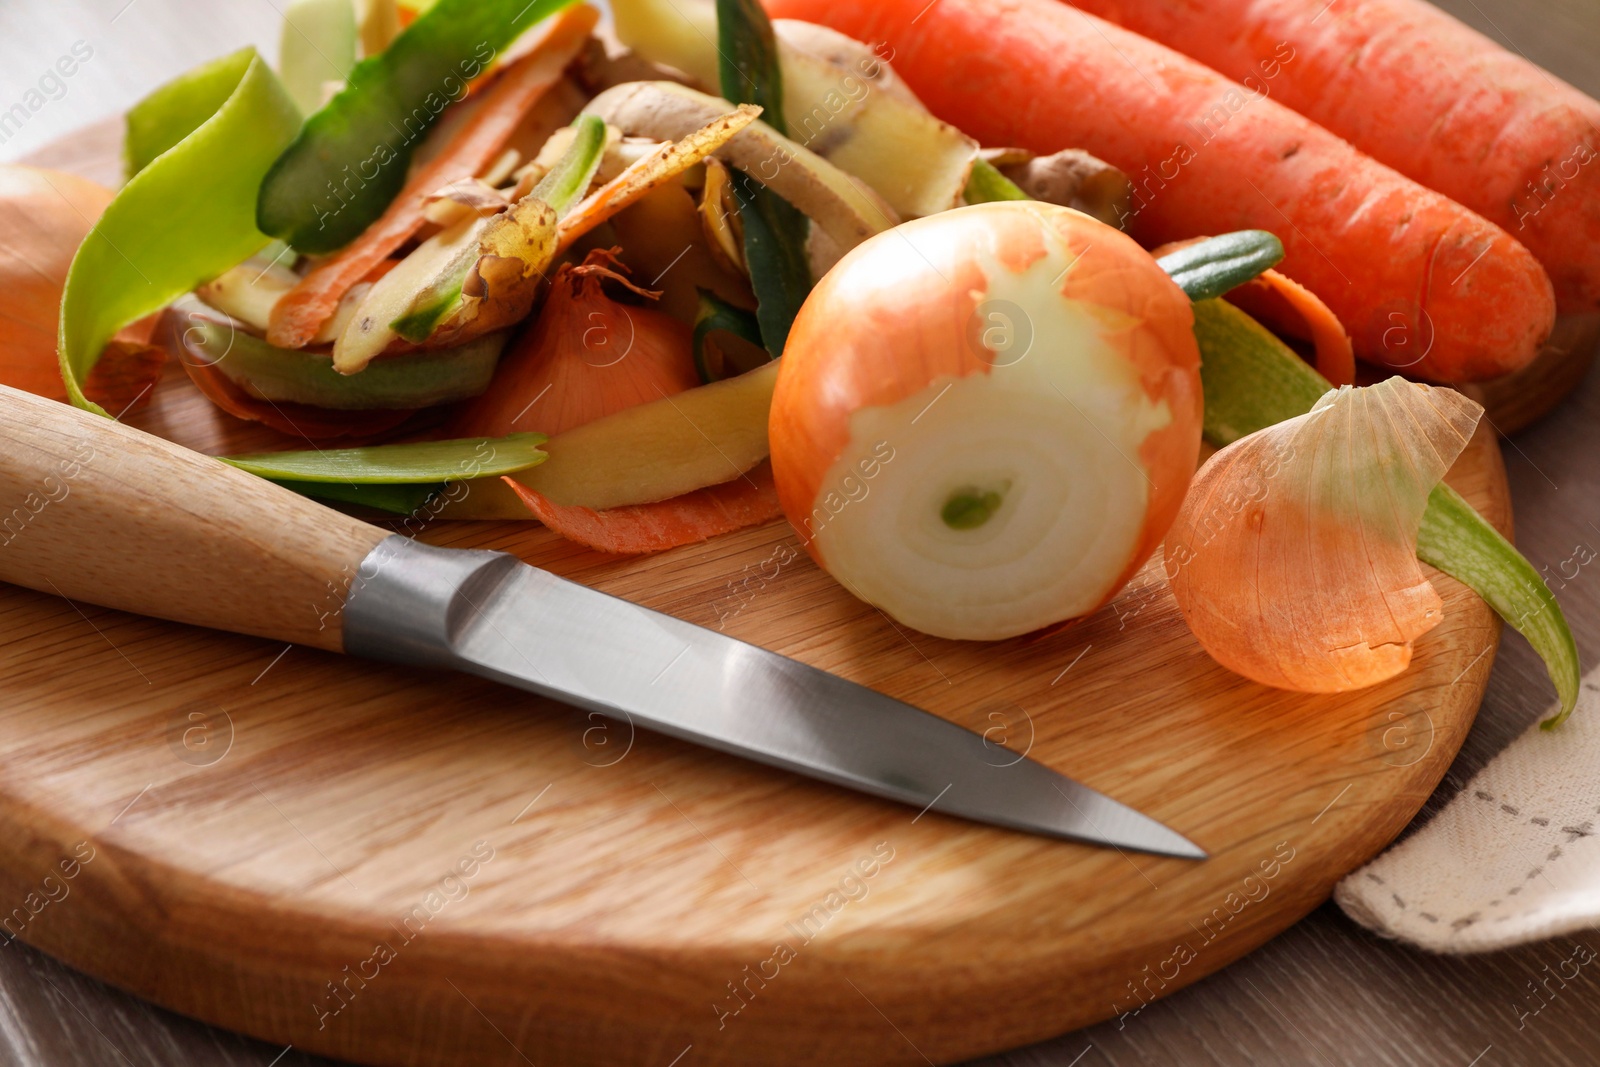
(1289, 308)
(683, 520)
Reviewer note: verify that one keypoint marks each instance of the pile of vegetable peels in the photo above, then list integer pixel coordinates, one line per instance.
(653, 290)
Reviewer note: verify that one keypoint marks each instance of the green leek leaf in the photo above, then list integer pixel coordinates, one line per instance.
(187, 215)
(1252, 380)
(422, 461)
(350, 160)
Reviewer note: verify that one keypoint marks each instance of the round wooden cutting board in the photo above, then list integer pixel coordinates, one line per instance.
(399, 867)
(394, 866)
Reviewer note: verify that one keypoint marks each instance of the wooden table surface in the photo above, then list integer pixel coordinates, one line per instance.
(1326, 992)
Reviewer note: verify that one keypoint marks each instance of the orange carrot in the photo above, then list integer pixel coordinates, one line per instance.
(1414, 88)
(684, 520)
(302, 310)
(1421, 282)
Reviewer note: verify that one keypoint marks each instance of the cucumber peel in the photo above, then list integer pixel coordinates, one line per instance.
(200, 146)
(397, 383)
(404, 464)
(353, 154)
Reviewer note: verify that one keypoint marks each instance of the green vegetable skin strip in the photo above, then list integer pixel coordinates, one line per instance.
(189, 212)
(350, 159)
(318, 46)
(716, 314)
(1211, 267)
(393, 499)
(425, 461)
(985, 185)
(569, 179)
(1252, 380)
(775, 231)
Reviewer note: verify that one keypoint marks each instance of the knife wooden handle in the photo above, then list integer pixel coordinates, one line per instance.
(96, 511)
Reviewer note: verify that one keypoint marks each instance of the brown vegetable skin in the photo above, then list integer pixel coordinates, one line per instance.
(1421, 283)
(1415, 89)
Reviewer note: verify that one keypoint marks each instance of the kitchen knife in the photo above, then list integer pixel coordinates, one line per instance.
(93, 510)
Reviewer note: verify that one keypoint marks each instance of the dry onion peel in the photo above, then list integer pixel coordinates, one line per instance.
(1294, 556)
(1252, 381)
(985, 422)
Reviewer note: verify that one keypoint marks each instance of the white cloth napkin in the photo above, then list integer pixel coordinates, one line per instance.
(1514, 857)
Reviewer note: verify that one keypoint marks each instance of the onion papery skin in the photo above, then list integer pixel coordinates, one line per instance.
(1018, 346)
(1294, 558)
(584, 357)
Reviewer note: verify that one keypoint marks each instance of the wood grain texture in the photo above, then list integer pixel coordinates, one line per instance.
(99, 512)
(1323, 993)
(239, 842)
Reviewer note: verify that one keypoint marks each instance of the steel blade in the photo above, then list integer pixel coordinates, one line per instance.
(488, 614)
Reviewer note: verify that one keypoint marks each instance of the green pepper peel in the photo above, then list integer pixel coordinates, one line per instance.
(186, 215)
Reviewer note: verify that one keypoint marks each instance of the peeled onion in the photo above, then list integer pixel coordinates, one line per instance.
(986, 419)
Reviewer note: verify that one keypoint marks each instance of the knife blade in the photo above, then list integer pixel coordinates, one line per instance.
(93, 510)
(488, 614)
